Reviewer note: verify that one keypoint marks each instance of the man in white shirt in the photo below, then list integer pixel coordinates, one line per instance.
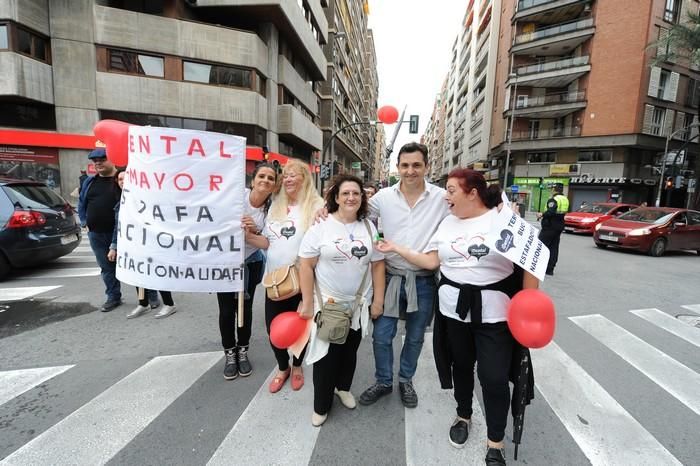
(410, 212)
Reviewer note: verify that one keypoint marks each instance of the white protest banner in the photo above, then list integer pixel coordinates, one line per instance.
(515, 239)
(179, 225)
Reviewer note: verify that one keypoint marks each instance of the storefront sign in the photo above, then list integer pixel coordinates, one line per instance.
(35, 163)
(563, 169)
(546, 181)
(608, 180)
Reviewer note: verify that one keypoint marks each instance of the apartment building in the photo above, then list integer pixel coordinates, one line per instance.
(349, 95)
(434, 137)
(588, 106)
(242, 67)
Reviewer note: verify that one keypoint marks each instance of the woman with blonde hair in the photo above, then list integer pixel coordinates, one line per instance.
(291, 214)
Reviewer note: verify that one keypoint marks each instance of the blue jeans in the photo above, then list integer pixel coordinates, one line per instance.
(416, 322)
(99, 242)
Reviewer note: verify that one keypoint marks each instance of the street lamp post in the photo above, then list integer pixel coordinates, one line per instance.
(513, 77)
(332, 138)
(663, 162)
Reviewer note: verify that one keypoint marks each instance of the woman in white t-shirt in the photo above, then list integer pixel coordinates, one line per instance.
(257, 200)
(291, 214)
(339, 256)
(474, 294)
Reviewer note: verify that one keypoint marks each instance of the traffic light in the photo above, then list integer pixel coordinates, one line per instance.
(669, 182)
(413, 124)
(541, 182)
(325, 172)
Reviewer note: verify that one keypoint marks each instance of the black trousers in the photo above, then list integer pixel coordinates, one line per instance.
(550, 238)
(491, 345)
(228, 309)
(166, 295)
(272, 310)
(335, 370)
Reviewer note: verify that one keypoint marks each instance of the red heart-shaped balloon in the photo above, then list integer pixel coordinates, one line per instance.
(531, 318)
(286, 328)
(115, 135)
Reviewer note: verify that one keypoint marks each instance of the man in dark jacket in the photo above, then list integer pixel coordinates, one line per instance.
(553, 224)
(98, 196)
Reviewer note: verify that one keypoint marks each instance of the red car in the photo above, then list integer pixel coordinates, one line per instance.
(587, 217)
(653, 230)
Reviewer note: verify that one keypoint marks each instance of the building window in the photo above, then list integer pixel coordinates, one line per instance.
(541, 157)
(657, 120)
(595, 155)
(136, 63)
(26, 42)
(217, 74)
(692, 98)
(4, 42)
(30, 116)
(671, 10)
(260, 84)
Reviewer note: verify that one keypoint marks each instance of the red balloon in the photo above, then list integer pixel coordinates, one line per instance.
(115, 135)
(388, 114)
(531, 318)
(286, 328)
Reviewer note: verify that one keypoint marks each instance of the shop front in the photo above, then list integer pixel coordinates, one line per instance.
(611, 189)
(533, 192)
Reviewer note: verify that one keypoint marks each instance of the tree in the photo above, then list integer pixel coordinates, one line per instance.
(682, 43)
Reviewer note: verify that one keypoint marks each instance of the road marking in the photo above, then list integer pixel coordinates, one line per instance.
(99, 429)
(428, 424)
(598, 424)
(16, 294)
(83, 249)
(72, 258)
(62, 273)
(14, 383)
(670, 324)
(283, 417)
(674, 377)
(692, 307)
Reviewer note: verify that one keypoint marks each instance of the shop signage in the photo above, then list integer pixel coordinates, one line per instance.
(606, 180)
(563, 168)
(546, 181)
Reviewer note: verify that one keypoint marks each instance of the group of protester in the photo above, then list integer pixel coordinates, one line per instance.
(341, 258)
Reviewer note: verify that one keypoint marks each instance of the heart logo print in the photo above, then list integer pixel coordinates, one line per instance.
(506, 241)
(342, 247)
(358, 251)
(288, 232)
(478, 250)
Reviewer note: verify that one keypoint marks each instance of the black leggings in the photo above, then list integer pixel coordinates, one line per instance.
(228, 309)
(491, 345)
(272, 310)
(335, 370)
(166, 295)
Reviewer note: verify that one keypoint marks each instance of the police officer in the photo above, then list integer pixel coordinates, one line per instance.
(553, 224)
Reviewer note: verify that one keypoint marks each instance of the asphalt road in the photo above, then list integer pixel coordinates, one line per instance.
(78, 386)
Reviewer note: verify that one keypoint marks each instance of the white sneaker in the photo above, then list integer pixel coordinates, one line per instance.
(138, 311)
(165, 311)
(318, 419)
(346, 398)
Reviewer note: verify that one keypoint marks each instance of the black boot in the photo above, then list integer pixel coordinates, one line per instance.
(244, 367)
(231, 368)
(496, 457)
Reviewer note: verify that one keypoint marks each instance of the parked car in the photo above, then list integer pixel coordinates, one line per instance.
(587, 217)
(653, 230)
(36, 225)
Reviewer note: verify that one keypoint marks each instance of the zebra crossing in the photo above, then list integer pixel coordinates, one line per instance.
(276, 429)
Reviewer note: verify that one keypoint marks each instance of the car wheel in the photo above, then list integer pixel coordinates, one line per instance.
(601, 245)
(4, 267)
(658, 247)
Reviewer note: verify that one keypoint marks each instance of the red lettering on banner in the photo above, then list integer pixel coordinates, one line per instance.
(183, 175)
(144, 144)
(131, 143)
(196, 145)
(223, 154)
(144, 181)
(168, 140)
(159, 180)
(214, 182)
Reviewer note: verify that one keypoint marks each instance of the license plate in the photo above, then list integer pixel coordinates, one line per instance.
(69, 239)
(609, 238)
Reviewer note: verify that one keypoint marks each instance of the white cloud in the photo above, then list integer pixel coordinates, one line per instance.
(413, 41)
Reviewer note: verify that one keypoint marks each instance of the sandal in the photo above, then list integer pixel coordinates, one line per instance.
(297, 380)
(278, 381)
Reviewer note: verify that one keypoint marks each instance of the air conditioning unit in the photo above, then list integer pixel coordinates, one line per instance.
(575, 169)
(494, 163)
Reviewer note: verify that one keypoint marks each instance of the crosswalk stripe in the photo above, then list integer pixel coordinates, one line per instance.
(83, 249)
(692, 307)
(428, 424)
(674, 377)
(285, 415)
(14, 383)
(603, 430)
(72, 258)
(670, 324)
(16, 294)
(99, 429)
(63, 273)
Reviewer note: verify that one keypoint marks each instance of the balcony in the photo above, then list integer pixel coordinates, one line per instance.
(25, 77)
(292, 122)
(553, 133)
(554, 40)
(550, 105)
(557, 73)
(549, 11)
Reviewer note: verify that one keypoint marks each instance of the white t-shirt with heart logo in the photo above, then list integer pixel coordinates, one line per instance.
(341, 261)
(285, 238)
(464, 258)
